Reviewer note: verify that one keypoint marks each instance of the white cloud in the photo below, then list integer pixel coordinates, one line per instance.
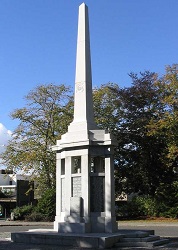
(5, 135)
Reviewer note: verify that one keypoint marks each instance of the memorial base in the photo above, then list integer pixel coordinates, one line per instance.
(97, 224)
(44, 237)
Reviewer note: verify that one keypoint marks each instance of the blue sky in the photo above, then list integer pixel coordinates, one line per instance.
(38, 44)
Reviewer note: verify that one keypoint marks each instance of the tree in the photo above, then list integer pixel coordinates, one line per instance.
(43, 120)
(47, 204)
(106, 106)
(139, 155)
(167, 124)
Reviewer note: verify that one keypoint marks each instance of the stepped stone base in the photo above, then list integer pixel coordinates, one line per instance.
(140, 239)
(87, 240)
(47, 237)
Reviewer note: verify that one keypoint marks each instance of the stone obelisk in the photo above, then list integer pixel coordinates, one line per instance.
(83, 100)
(83, 104)
(85, 171)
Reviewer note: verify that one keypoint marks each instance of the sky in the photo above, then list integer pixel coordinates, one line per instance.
(38, 45)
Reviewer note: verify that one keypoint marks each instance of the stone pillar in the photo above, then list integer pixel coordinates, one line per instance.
(85, 187)
(58, 187)
(68, 171)
(110, 220)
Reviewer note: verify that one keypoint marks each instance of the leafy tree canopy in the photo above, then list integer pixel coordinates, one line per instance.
(42, 121)
(167, 124)
(139, 156)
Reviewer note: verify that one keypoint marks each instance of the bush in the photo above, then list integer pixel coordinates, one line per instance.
(173, 212)
(147, 206)
(170, 212)
(142, 206)
(44, 211)
(35, 216)
(21, 212)
(139, 206)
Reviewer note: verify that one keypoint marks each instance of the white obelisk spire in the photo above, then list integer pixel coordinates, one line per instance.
(83, 103)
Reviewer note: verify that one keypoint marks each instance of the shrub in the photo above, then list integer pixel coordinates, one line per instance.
(170, 212)
(35, 216)
(142, 206)
(139, 206)
(21, 212)
(44, 211)
(147, 206)
(173, 212)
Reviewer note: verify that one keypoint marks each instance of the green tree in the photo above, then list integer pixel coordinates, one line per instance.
(47, 204)
(139, 155)
(106, 106)
(42, 121)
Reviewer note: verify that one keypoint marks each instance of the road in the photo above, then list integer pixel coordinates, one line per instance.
(5, 231)
(164, 229)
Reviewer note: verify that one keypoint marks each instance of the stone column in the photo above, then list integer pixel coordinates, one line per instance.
(68, 188)
(110, 220)
(85, 187)
(58, 187)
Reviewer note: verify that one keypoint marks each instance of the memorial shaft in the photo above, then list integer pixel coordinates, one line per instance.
(83, 103)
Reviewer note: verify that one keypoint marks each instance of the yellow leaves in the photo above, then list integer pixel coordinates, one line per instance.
(167, 125)
(173, 152)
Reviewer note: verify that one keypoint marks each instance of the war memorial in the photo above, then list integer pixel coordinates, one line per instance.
(85, 198)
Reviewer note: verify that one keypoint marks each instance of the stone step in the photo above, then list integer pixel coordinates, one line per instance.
(158, 242)
(143, 239)
(131, 244)
(138, 234)
(147, 242)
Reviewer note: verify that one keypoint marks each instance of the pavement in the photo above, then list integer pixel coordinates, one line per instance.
(163, 229)
(23, 223)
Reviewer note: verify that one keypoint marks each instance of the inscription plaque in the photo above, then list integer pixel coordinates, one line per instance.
(97, 193)
(76, 187)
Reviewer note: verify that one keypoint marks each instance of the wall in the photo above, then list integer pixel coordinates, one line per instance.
(4, 180)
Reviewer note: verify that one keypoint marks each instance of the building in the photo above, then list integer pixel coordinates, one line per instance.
(15, 191)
